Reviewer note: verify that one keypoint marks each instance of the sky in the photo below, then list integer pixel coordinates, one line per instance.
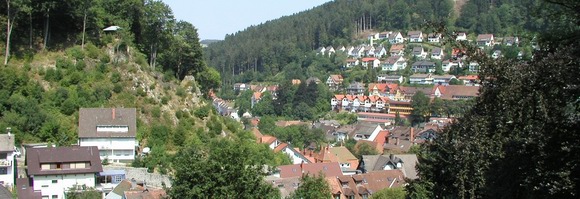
(216, 18)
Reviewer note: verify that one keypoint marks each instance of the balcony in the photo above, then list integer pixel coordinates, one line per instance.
(5, 163)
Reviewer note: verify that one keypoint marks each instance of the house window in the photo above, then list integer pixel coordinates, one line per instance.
(365, 196)
(350, 197)
(54, 196)
(3, 156)
(54, 181)
(44, 186)
(3, 170)
(44, 197)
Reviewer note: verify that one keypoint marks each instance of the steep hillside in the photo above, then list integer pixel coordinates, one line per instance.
(261, 52)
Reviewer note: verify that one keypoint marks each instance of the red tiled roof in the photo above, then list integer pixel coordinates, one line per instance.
(257, 95)
(330, 169)
(469, 77)
(267, 139)
(368, 59)
(280, 147)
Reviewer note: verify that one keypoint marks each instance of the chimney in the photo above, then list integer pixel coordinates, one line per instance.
(113, 113)
(302, 166)
(8, 130)
(397, 141)
(412, 136)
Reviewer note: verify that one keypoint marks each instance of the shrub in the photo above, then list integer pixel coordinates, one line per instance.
(115, 77)
(76, 52)
(141, 92)
(92, 51)
(202, 112)
(117, 88)
(180, 92)
(156, 112)
(164, 100)
(64, 63)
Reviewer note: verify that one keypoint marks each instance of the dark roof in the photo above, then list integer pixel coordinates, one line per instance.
(6, 142)
(25, 189)
(37, 156)
(5, 193)
(329, 169)
(424, 63)
(89, 118)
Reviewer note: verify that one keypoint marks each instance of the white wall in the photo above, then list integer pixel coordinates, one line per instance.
(45, 184)
(115, 149)
(8, 178)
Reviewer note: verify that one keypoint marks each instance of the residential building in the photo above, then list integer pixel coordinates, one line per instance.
(380, 118)
(355, 88)
(403, 162)
(485, 40)
(369, 51)
(419, 52)
(511, 41)
(55, 170)
(330, 50)
(473, 67)
(496, 54)
(396, 38)
(383, 89)
(461, 37)
(394, 63)
(397, 49)
(370, 62)
(423, 67)
(408, 92)
(111, 130)
(447, 65)
(384, 78)
(297, 170)
(311, 80)
(434, 37)
(7, 161)
(472, 80)
(366, 131)
(363, 186)
(351, 63)
(437, 53)
(321, 51)
(380, 51)
(442, 79)
(455, 92)
(415, 36)
(334, 81)
(385, 35)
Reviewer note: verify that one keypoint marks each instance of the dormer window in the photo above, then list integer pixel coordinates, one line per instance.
(113, 128)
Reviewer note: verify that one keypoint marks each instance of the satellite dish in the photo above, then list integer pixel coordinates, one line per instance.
(146, 150)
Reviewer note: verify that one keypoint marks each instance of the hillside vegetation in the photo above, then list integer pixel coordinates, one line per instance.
(282, 49)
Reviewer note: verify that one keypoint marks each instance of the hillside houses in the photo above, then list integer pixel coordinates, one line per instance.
(394, 63)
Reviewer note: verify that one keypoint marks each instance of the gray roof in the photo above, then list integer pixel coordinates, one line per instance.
(365, 128)
(6, 142)
(378, 162)
(90, 118)
(5, 193)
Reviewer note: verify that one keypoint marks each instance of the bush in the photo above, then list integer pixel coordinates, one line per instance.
(180, 92)
(76, 52)
(92, 51)
(117, 88)
(202, 112)
(164, 100)
(115, 77)
(53, 75)
(156, 112)
(141, 92)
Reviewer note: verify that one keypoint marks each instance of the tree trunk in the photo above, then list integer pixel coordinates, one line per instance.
(46, 28)
(84, 30)
(8, 30)
(30, 33)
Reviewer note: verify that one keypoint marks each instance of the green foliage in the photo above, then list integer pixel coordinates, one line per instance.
(202, 112)
(420, 104)
(455, 81)
(346, 118)
(115, 77)
(519, 140)
(364, 149)
(312, 187)
(89, 193)
(223, 168)
(390, 193)
(298, 135)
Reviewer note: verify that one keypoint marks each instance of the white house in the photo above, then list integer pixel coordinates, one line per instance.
(496, 54)
(55, 170)
(461, 37)
(367, 131)
(371, 62)
(415, 36)
(437, 53)
(419, 52)
(447, 65)
(396, 38)
(485, 40)
(394, 63)
(473, 67)
(7, 162)
(421, 79)
(111, 130)
(434, 37)
(351, 63)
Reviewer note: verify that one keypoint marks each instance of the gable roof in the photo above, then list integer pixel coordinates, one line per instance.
(417, 50)
(414, 34)
(336, 78)
(6, 142)
(397, 47)
(74, 154)
(484, 37)
(329, 169)
(146, 194)
(342, 153)
(90, 118)
(25, 189)
(437, 50)
(449, 91)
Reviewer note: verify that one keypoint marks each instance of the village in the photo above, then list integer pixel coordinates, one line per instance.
(377, 105)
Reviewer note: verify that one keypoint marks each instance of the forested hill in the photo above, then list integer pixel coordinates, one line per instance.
(281, 44)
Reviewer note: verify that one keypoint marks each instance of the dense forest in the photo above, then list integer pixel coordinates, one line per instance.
(275, 50)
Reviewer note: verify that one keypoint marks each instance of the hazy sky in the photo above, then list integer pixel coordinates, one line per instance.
(216, 18)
